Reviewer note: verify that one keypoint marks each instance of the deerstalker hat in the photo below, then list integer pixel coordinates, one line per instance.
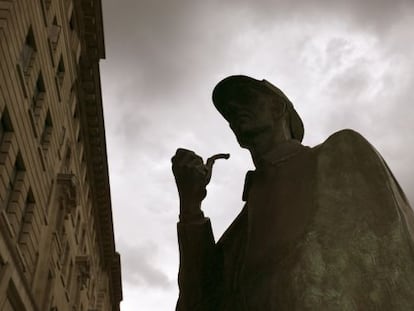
(229, 86)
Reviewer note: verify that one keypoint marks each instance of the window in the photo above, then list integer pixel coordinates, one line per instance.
(2, 130)
(47, 132)
(13, 199)
(13, 301)
(6, 152)
(77, 227)
(27, 212)
(75, 109)
(38, 97)
(28, 52)
(91, 292)
(15, 174)
(60, 74)
(48, 3)
(5, 124)
(67, 165)
(75, 43)
(72, 21)
(84, 271)
(83, 240)
(54, 33)
(69, 277)
(62, 141)
(73, 98)
(53, 306)
(65, 264)
(28, 237)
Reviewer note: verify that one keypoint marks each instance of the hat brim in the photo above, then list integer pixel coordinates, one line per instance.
(228, 87)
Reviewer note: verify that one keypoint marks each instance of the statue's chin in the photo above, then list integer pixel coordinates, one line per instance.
(250, 137)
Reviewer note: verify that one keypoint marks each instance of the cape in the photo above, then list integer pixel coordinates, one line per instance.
(323, 228)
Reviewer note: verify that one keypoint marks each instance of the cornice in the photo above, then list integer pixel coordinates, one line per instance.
(116, 280)
(92, 24)
(90, 27)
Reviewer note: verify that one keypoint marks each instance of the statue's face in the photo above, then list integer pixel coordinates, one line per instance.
(251, 113)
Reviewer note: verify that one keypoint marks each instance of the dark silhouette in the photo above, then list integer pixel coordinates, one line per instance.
(323, 228)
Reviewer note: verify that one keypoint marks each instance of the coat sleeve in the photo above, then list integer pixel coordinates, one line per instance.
(199, 270)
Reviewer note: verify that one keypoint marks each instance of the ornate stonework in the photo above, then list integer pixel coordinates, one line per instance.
(57, 249)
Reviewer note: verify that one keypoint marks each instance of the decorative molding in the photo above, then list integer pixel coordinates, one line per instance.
(84, 268)
(5, 8)
(90, 31)
(68, 191)
(116, 277)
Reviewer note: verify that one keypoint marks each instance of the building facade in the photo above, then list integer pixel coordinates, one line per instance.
(57, 249)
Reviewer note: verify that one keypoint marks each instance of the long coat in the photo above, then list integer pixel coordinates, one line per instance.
(323, 228)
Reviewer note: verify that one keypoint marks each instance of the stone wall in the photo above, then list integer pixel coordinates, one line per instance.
(57, 249)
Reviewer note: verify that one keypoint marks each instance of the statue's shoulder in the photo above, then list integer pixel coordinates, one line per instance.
(346, 142)
(347, 150)
(346, 136)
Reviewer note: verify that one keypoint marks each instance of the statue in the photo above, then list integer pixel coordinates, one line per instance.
(323, 228)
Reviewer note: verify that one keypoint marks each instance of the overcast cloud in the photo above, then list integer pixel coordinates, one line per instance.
(344, 64)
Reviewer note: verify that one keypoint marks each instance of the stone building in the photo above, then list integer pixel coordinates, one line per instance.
(57, 250)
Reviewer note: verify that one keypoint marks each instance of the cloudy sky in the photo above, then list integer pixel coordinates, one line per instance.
(344, 64)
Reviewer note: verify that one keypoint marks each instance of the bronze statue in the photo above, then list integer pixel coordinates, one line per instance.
(323, 228)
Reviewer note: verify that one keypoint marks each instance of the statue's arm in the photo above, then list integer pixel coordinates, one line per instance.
(199, 271)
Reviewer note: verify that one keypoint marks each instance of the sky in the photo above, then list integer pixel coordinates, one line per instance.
(343, 64)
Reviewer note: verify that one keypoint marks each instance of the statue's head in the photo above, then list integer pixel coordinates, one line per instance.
(252, 106)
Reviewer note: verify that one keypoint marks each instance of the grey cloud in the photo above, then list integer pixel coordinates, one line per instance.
(374, 96)
(160, 43)
(351, 83)
(371, 15)
(138, 267)
(158, 51)
(163, 58)
(336, 50)
(165, 44)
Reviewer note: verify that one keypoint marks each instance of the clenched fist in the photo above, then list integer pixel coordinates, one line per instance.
(192, 176)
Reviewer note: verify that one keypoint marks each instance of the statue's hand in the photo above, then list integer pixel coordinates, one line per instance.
(192, 176)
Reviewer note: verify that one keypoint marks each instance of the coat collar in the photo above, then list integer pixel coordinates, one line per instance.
(285, 151)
